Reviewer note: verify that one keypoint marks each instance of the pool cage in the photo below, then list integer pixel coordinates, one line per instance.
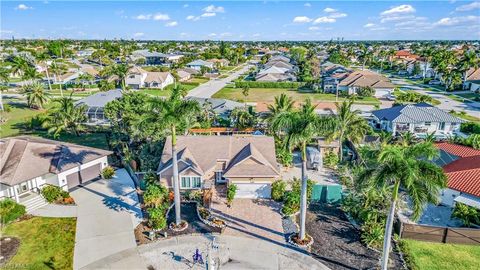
(96, 116)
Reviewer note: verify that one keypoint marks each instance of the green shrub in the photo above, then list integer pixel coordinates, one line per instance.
(372, 233)
(108, 172)
(194, 195)
(330, 160)
(284, 156)
(467, 214)
(278, 190)
(10, 211)
(53, 193)
(291, 203)
(470, 127)
(232, 189)
(155, 195)
(156, 218)
(150, 178)
(365, 91)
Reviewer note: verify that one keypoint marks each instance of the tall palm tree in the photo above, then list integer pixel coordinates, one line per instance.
(65, 116)
(409, 167)
(121, 71)
(19, 64)
(170, 115)
(350, 125)
(301, 127)
(4, 78)
(282, 103)
(36, 95)
(43, 58)
(31, 74)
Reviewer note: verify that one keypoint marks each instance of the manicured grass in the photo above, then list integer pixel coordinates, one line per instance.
(431, 256)
(91, 139)
(19, 114)
(198, 80)
(268, 95)
(469, 95)
(45, 243)
(467, 117)
(227, 68)
(166, 91)
(74, 93)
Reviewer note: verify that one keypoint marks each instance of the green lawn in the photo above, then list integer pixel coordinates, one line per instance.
(19, 114)
(166, 91)
(467, 117)
(432, 256)
(45, 243)
(198, 80)
(227, 68)
(268, 95)
(74, 93)
(469, 95)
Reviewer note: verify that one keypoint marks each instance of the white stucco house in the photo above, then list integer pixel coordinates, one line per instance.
(28, 163)
(138, 78)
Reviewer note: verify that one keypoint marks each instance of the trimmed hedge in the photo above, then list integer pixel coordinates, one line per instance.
(241, 84)
(470, 127)
(10, 210)
(53, 193)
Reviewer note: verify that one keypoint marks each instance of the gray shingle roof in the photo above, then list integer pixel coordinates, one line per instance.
(100, 99)
(414, 113)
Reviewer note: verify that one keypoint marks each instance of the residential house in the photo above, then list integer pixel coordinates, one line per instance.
(218, 63)
(183, 76)
(472, 79)
(249, 162)
(198, 64)
(221, 107)
(420, 119)
(155, 58)
(275, 74)
(29, 163)
(366, 78)
(96, 104)
(138, 78)
(461, 165)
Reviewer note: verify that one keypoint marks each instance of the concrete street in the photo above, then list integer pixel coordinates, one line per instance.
(232, 253)
(206, 90)
(108, 211)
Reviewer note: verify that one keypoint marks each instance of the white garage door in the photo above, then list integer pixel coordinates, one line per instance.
(253, 191)
(382, 93)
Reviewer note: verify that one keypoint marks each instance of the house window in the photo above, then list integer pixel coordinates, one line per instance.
(190, 182)
(427, 124)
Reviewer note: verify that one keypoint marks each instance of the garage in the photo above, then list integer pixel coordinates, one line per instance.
(83, 175)
(253, 191)
(382, 93)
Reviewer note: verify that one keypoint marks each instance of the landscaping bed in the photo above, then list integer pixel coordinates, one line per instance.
(337, 242)
(189, 214)
(8, 248)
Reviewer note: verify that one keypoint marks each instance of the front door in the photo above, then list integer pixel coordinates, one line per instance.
(441, 126)
(219, 177)
(22, 188)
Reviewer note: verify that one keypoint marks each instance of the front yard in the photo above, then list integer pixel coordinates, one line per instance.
(269, 94)
(430, 256)
(166, 91)
(45, 243)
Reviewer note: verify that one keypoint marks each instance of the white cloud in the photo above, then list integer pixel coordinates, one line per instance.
(313, 28)
(214, 9)
(212, 35)
(23, 7)
(143, 17)
(171, 24)
(139, 34)
(185, 5)
(452, 21)
(337, 15)
(208, 14)
(397, 18)
(307, 5)
(468, 7)
(329, 10)
(402, 9)
(324, 20)
(302, 19)
(161, 17)
(369, 25)
(6, 31)
(190, 18)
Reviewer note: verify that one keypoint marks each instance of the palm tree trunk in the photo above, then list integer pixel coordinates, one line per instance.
(48, 79)
(303, 196)
(1, 101)
(176, 182)
(387, 239)
(340, 147)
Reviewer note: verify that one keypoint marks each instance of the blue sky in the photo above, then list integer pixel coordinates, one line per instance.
(241, 20)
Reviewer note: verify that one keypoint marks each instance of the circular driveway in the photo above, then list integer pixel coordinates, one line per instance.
(232, 253)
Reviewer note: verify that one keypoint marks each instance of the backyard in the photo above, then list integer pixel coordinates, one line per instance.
(268, 95)
(166, 91)
(430, 256)
(45, 243)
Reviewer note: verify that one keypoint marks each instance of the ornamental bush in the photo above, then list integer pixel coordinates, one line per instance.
(53, 193)
(278, 190)
(467, 214)
(108, 172)
(10, 211)
(232, 189)
(156, 218)
(155, 195)
(330, 160)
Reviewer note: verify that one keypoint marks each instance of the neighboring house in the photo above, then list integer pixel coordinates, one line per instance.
(420, 119)
(461, 165)
(219, 62)
(28, 163)
(155, 58)
(472, 79)
(248, 162)
(221, 107)
(279, 58)
(198, 64)
(366, 78)
(279, 64)
(85, 53)
(96, 105)
(67, 78)
(139, 78)
(183, 76)
(275, 74)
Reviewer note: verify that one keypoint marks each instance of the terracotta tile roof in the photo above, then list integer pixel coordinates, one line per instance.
(458, 150)
(463, 173)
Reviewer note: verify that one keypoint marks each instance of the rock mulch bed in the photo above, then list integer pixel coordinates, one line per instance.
(195, 225)
(337, 242)
(8, 248)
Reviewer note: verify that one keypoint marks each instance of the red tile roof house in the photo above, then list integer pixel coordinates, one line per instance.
(28, 163)
(203, 161)
(461, 164)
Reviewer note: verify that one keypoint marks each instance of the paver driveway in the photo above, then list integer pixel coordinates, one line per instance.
(108, 211)
(252, 218)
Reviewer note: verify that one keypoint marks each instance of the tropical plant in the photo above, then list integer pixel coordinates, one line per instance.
(10, 211)
(105, 85)
(278, 190)
(243, 118)
(331, 160)
(231, 191)
(36, 95)
(108, 172)
(156, 218)
(467, 214)
(409, 167)
(4, 78)
(300, 127)
(155, 195)
(121, 71)
(53, 193)
(65, 116)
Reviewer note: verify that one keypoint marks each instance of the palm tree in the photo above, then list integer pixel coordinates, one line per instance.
(4, 78)
(65, 117)
(282, 103)
(350, 125)
(246, 92)
(19, 64)
(57, 70)
(409, 167)
(242, 118)
(121, 71)
(171, 114)
(36, 95)
(300, 127)
(469, 60)
(43, 58)
(31, 74)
